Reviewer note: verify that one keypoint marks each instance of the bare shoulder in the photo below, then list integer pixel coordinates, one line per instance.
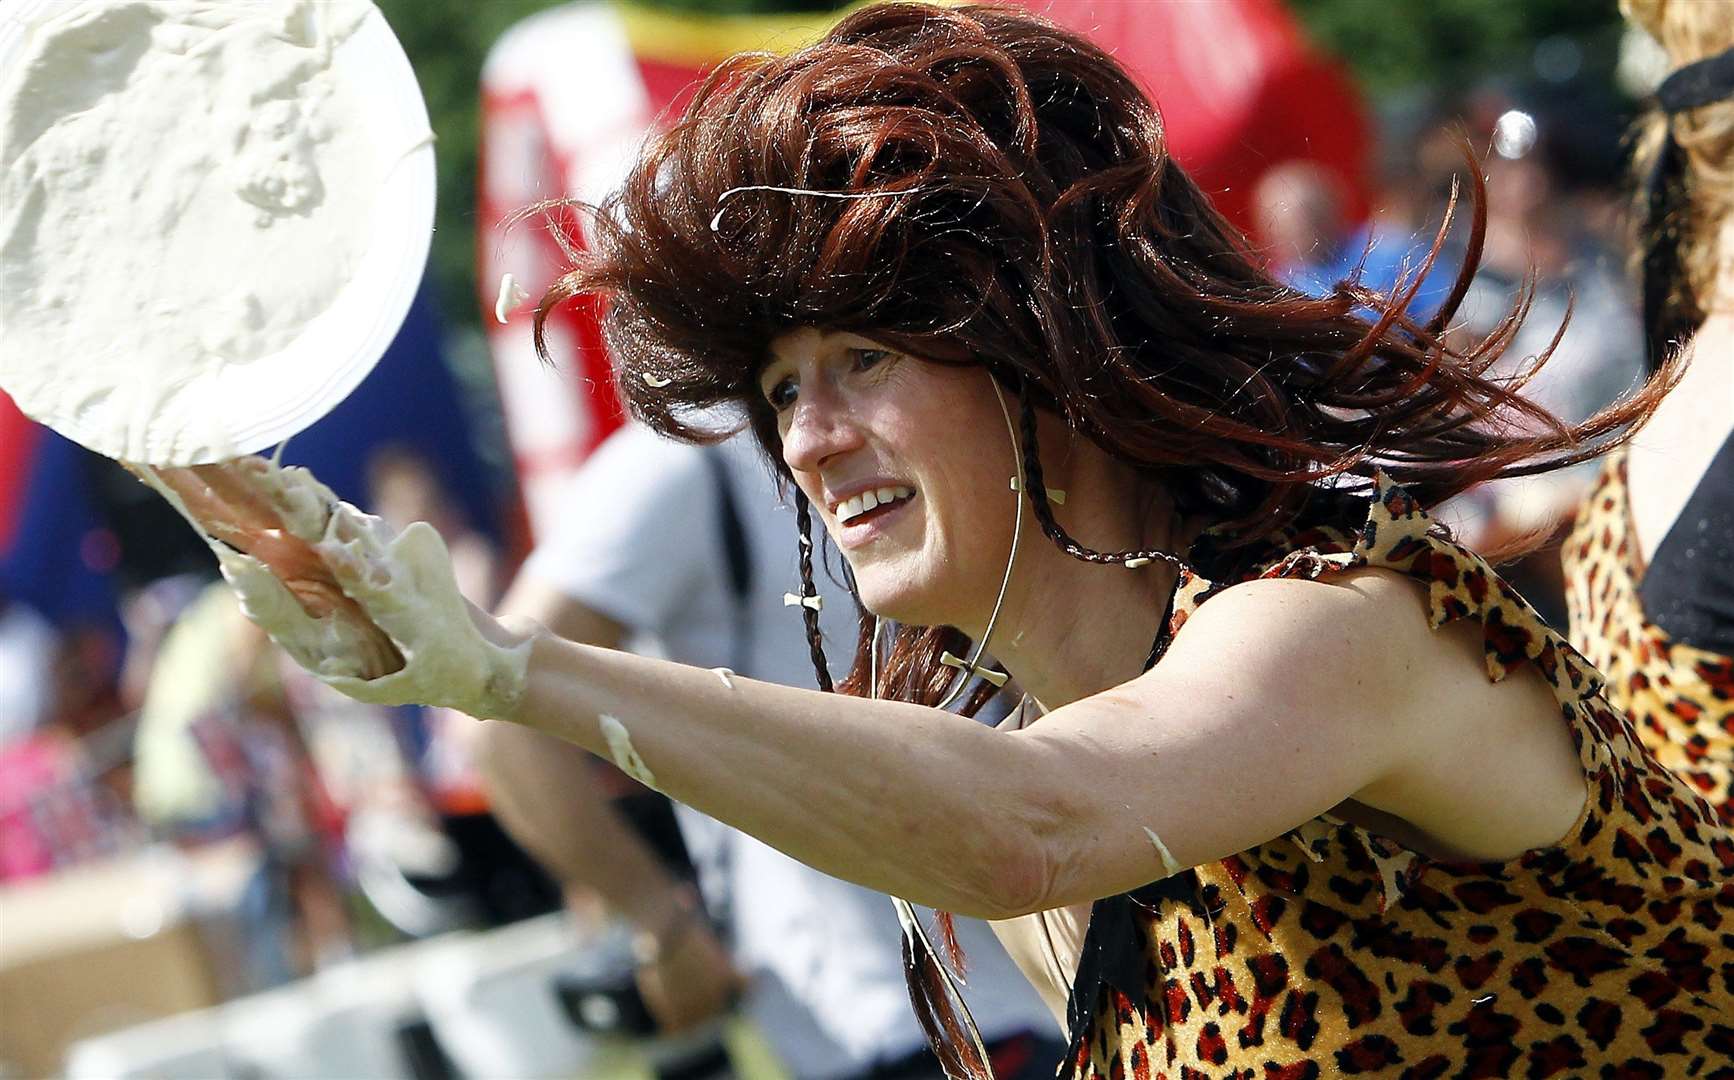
(1354, 658)
(1368, 624)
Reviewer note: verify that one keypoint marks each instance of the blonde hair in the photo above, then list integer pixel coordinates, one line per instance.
(1689, 31)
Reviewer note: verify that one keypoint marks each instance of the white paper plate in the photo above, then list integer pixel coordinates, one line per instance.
(245, 408)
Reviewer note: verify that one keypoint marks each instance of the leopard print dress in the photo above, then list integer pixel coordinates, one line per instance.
(1679, 698)
(1332, 950)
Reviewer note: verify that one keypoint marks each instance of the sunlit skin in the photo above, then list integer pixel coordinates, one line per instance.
(1329, 696)
(852, 411)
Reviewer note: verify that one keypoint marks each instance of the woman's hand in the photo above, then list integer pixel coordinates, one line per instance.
(376, 615)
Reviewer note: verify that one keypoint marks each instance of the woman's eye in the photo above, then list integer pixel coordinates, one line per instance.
(867, 358)
(781, 394)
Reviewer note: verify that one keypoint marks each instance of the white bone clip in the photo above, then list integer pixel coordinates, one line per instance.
(815, 602)
(998, 678)
(656, 382)
(1055, 495)
(1133, 564)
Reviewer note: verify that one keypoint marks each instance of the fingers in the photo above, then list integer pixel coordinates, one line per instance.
(269, 603)
(340, 641)
(233, 487)
(188, 493)
(301, 502)
(374, 569)
(239, 501)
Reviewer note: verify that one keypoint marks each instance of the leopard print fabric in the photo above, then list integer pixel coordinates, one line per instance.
(1679, 698)
(1331, 950)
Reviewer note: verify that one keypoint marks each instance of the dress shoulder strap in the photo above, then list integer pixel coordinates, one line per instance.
(1399, 535)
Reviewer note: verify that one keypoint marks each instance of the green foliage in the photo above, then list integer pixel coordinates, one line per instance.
(446, 41)
(1394, 45)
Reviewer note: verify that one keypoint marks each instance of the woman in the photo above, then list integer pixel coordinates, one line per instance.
(1297, 784)
(1650, 564)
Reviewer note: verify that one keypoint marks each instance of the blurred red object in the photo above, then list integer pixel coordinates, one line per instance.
(1240, 90)
(17, 440)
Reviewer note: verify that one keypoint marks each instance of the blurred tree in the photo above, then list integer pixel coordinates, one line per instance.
(1397, 45)
(446, 41)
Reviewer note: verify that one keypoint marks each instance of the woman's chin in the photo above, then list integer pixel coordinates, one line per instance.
(897, 599)
(904, 602)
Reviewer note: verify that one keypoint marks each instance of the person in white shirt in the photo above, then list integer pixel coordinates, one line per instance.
(687, 551)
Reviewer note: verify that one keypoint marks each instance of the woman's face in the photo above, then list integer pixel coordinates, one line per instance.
(863, 424)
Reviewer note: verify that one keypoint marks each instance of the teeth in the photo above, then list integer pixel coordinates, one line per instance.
(855, 506)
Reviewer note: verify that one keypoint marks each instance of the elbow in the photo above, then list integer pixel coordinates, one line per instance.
(1019, 885)
(1021, 874)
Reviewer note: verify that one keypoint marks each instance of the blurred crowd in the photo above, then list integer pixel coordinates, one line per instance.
(140, 711)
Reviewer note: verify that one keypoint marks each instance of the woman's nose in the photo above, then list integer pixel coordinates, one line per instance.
(820, 428)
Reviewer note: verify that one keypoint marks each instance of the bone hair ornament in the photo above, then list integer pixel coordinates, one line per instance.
(1132, 560)
(656, 382)
(814, 602)
(952, 660)
(1055, 495)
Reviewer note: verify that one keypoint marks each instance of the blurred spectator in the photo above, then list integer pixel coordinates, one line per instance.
(27, 648)
(435, 831)
(1303, 225)
(1535, 226)
(56, 810)
(1538, 230)
(219, 753)
(1651, 562)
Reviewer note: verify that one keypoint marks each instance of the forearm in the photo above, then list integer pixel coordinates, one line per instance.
(907, 800)
(545, 793)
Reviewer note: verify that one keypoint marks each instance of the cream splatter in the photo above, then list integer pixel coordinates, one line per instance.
(510, 297)
(727, 676)
(625, 755)
(1170, 867)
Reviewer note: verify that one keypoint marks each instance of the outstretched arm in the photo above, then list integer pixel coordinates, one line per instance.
(1279, 700)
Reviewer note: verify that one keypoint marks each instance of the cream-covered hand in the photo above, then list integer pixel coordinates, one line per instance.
(374, 613)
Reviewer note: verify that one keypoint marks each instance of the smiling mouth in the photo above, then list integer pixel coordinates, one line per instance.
(869, 505)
